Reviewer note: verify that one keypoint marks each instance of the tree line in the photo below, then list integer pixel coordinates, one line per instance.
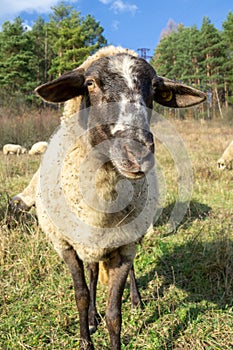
(31, 56)
(202, 58)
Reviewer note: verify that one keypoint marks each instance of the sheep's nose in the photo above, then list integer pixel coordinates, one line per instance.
(149, 141)
(140, 155)
(142, 145)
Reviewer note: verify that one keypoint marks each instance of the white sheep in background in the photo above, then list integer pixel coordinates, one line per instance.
(23, 150)
(226, 160)
(14, 149)
(38, 148)
(111, 75)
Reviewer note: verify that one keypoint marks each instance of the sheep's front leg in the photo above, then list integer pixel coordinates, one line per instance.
(92, 314)
(119, 267)
(26, 199)
(82, 295)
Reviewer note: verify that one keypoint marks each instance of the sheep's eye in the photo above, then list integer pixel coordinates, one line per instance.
(90, 83)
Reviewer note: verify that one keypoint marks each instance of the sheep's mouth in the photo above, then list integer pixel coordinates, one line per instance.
(132, 175)
(132, 160)
(133, 169)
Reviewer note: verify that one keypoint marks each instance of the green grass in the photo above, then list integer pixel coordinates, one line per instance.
(185, 277)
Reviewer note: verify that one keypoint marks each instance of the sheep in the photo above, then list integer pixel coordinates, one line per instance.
(25, 200)
(38, 148)
(117, 136)
(226, 160)
(23, 150)
(13, 149)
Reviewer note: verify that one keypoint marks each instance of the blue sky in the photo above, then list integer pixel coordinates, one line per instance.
(129, 23)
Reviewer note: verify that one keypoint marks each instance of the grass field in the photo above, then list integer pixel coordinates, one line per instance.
(185, 276)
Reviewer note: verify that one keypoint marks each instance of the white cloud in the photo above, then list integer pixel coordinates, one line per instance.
(11, 8)
(105, 2)
(15, 6)
(120, 6)
(115, 25)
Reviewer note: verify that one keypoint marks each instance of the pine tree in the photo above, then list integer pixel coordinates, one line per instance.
(178, 55)
(213, 57)
(16, 61)
(31, 57)
(39, 47)
(72, 38)
(227, 36)
(165, 56)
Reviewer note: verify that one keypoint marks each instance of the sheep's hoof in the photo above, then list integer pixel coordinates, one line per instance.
(137, 305)
(94, 321)
(17, 205)
(92, 329)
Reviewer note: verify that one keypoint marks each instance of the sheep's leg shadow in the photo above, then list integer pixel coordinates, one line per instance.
(93, 318)
(82, 295)
(119, 267)
(135, 296)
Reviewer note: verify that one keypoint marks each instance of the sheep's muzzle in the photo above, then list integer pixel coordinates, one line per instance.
(133, 152)
(221, 164)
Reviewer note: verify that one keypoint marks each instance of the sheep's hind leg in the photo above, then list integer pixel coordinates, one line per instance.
(119, 267)
(82, 295)
(135, 296)
(92, 313)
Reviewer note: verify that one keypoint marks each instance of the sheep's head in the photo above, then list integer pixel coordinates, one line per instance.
(226, 160)
(119, 91)
(221, 164)
(224, 164)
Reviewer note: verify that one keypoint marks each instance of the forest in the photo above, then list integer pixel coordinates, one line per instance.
(202, 58)
(31, 56)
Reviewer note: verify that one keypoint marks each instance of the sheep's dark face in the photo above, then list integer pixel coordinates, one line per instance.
(121, 95)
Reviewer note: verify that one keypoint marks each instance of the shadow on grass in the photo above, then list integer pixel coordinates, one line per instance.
(204, 270)
(194, 210)
(201, 269)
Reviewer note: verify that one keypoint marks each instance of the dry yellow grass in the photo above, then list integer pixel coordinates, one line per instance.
(185, 276)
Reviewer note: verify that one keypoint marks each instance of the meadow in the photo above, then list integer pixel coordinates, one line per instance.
(185, 275)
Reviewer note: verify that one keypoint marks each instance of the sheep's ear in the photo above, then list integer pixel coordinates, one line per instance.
(64, 88)
(173, 94)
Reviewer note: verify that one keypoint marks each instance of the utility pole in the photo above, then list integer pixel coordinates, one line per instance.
(143, 53)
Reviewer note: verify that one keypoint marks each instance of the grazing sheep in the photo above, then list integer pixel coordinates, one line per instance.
(226, 161)
(23, 150)
(112, 75)
(13, 149)
(38, 148)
